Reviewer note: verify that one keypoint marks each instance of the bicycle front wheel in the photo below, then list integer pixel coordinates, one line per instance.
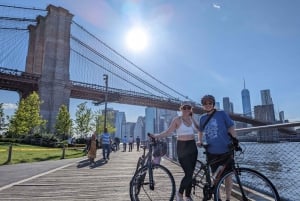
(163, 184)
(199, 180)
(246, 185)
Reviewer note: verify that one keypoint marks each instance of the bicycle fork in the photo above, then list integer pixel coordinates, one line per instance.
(237, 177)
(151, 181)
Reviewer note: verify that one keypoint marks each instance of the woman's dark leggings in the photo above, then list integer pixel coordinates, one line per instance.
(187, 155)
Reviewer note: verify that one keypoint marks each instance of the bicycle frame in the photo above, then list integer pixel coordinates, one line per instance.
(146, 160)
(210, 180)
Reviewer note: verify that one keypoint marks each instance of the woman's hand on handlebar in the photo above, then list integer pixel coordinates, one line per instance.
(152, 136)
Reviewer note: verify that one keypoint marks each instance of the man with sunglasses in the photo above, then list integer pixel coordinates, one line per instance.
(185, 127)
(216, 132)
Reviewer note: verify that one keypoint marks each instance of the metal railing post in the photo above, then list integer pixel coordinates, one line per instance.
(9, 154)
(63, 152)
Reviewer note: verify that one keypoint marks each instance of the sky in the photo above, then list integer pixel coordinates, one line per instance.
(199, 47)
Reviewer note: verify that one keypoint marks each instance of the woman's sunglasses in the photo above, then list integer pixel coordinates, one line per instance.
(186, 108)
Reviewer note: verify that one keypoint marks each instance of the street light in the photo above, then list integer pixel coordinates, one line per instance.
(105, 78)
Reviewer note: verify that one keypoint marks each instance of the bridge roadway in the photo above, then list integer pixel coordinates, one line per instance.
(74, 179)
(25, 83)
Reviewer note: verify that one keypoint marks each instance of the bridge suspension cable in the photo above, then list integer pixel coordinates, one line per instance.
(141, 79)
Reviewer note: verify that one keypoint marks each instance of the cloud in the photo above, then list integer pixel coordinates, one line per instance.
(10, 106)
(216, 6)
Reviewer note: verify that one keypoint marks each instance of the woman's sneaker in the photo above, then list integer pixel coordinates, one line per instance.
(178, 197)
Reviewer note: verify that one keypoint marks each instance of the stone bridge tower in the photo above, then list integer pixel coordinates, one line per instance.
(49, 56)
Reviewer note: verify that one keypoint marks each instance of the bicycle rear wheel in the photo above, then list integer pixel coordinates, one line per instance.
(247, 185)
(164, 185)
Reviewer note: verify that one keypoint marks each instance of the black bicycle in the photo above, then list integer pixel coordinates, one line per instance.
(151, 181)
(247, 184)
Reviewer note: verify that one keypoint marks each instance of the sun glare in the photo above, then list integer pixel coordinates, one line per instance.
(137, 39)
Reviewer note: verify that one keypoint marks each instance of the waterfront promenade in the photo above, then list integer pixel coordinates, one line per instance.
(73, 179)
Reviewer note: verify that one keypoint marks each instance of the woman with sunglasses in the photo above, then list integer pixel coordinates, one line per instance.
(185, 127)
(218, 132)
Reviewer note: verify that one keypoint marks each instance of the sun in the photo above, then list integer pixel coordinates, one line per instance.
(137, 39)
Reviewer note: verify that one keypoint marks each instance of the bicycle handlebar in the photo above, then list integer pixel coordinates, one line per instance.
(234, 146)
(152, 139)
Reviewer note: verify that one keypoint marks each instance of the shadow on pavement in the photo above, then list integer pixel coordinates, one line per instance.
(86, 163)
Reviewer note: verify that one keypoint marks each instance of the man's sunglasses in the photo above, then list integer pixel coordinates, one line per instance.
(208, 103)
(186, 108)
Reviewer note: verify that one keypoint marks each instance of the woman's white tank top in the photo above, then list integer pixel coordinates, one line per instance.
(185, 130)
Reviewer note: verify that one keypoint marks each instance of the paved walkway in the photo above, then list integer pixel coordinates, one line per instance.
(73, 179)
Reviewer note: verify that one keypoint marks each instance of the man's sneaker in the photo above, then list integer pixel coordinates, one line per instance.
(178, 197)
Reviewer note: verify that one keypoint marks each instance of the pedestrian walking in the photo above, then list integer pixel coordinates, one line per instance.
(130, 142)
(92, 149)
(106, 144)
(117, 141)
(138, 141)
(124, 141)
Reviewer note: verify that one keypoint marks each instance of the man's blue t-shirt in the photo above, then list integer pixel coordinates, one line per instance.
(216, 132)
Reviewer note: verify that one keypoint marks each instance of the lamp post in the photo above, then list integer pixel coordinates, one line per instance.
(105, 78)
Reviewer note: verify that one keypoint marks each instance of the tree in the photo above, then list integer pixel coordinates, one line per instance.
(63, 123)
(83, 119)
(99, 122)
(2, 118)
(27, 119)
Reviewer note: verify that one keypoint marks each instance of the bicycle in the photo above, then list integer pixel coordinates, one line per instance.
(151, 181)
(247, 184)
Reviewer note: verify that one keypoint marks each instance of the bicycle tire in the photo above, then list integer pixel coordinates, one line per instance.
(255, 186)
(199, 180)
(164, 185)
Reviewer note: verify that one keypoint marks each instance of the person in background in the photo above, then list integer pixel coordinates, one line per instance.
(138, 141)
(124, 141)
(105, 144)
(218, 133)
(185, 127)
(92, 149)
(117, 141)
(130, 142)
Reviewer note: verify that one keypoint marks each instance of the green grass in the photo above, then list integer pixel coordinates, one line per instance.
(22, 153)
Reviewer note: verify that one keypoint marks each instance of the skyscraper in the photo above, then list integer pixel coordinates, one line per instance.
(265, 112)
(227, 105)
(120, 121)
(150, 119)
(246, 102)
(266, 98)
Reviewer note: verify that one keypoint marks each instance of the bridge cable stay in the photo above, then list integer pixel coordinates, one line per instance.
(134, 65)
(21, 7)
(121, 68)
(13, 41)
(115, 74)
